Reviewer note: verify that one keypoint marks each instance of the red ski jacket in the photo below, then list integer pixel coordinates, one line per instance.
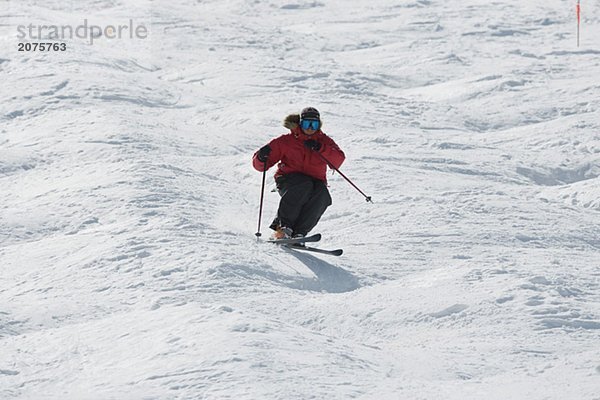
(293, 156)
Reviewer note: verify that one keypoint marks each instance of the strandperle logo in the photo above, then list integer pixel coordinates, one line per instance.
(82, 31)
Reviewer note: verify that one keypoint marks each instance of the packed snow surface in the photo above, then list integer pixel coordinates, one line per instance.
(129, 268)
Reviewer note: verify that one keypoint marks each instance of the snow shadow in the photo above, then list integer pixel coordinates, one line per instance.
(560, 176)
(330, 278)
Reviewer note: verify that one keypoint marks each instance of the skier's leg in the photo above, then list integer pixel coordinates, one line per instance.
(314, 208)
(295, 190)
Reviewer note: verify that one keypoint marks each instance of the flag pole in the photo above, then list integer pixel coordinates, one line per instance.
(578, 8)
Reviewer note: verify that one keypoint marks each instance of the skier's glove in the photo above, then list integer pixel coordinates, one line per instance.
(312, 144)
(263, 153)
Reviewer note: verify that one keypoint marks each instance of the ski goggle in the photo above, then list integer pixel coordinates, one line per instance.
(312, 124)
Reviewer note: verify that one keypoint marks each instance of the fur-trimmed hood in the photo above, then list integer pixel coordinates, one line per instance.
(292, 121)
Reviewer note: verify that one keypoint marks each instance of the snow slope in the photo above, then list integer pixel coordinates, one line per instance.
(128, 263)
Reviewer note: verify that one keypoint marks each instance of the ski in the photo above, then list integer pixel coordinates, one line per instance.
(337, 252)
(312, 238)
(296, 244)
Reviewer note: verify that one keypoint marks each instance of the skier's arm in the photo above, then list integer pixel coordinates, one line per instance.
(274, 157)
(332, 152)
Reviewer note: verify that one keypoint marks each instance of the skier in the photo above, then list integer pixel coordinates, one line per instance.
(301, 173)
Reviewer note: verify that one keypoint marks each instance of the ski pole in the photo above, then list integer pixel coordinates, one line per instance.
(368, 198)
(262, 196)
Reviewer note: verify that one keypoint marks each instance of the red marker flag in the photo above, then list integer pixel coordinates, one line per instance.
(578, 8)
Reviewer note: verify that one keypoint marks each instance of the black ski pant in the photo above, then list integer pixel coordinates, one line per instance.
(304, 199)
